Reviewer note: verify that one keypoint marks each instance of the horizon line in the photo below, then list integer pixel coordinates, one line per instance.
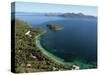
(56, 13)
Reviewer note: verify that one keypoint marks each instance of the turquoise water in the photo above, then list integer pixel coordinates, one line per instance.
(75, 44)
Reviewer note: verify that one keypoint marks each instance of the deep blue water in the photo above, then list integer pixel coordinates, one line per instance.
(76, 42)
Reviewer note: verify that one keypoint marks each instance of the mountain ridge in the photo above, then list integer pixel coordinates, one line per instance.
(73, 15)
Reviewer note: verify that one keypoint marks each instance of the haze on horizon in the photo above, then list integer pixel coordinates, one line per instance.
(53, 8)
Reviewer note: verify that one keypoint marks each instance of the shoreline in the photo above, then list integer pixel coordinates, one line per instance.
(48, 54)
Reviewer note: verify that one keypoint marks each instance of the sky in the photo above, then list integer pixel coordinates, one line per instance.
(54, 8)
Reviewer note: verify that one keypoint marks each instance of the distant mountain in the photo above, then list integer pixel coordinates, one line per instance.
(73, 15)
(80, 15)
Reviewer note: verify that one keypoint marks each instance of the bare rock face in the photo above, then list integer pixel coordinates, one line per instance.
(28, 33)
(54, 68)
(75, 67)
(28, 65)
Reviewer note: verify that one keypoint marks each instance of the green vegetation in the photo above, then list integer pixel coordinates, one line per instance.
(55, 27)
(28, 57)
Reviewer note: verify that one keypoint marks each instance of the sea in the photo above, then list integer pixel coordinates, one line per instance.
(76, 43)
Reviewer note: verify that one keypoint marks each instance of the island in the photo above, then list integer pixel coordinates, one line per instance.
(55, 27)
(71, 15)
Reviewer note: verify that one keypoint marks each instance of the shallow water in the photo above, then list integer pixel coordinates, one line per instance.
(76, 43)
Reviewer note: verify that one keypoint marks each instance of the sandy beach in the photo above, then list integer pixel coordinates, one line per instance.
(50, 56)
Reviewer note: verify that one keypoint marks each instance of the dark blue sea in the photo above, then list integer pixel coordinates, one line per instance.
(76, 43)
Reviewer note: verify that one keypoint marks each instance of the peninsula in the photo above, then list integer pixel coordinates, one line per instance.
(30, 56)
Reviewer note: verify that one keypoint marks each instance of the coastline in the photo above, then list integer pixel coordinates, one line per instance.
(48, 54)
(51, 56)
